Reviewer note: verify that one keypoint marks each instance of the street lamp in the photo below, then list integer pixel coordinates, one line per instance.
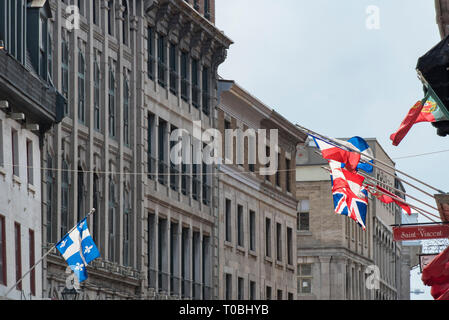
(2, 45)
(69, 294)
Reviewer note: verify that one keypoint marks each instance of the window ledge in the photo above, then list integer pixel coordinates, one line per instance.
(228, 244)
(31, 189)
(2, 172)
(269, 259)
(303, 233)
(291, 267)
(241, 249)
(279, 264)
(252, 253)
(16, 179)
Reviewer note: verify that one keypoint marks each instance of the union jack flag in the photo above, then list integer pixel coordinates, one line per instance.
(349, 195)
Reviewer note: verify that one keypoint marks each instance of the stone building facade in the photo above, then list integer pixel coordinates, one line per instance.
(336, 258)
(29, 106)
(132, 73)
(257, 211)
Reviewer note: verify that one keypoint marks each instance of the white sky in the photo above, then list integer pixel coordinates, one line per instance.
(318, 65)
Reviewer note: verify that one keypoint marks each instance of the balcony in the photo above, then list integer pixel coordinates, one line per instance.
(27, 93)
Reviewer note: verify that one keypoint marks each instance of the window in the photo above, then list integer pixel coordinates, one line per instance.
(279, 295)
(126, 113)
(151, 152)
(161, 60)
(32, 255)
(29, 145)
(81, 198)
(240, 235)
(252, 230)
(278, 241)
(228, 232)
(2, 251)
(43, 37)
(268, 237)
(206, 183)
(290, 296)
(304, 278)
(302, 221)
(15, 152)
(288, 179)
(228, 286)
(195, 84)
(95, 11)
(174, 171)
(278, 171)
(207, 9)
(267, 177)
(96, 203)
(125, 22)
(18, 247)
(268, 293)
(49, 198)
(112, 123)
(162, 137)
(241, 288)
(150, 48)
(252, 290)
(81, 87)
(206, 94)
(111, 17)
(111, 218)
(173, 69)
(185, 83)
(2, 163)
(97, 112)
(289, 246)
(50, 51)
(126, 227)
(65, 72)
(64, 198)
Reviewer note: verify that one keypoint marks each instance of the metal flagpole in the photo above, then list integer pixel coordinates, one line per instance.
(420, 210)
(369, 157)
(43, 257)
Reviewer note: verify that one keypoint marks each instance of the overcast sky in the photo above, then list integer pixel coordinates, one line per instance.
(318, 64)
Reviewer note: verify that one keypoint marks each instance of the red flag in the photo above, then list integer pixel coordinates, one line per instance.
(437, 271)
(331, 152)
(388, 197)
(407, 123)
(438, 290)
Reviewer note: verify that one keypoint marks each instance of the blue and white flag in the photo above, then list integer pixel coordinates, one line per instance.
(362, 146)
(78, 249)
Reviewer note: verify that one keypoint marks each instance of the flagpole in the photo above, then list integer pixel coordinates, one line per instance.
(369, 157)
(420, 210)
(43, 257)
(393, 188)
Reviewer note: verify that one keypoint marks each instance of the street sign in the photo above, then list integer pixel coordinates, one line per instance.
(420, 232)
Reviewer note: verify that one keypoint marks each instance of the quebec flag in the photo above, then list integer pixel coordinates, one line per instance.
(78, 249)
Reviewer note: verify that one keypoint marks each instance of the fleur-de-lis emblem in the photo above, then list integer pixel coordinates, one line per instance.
(63, 243)
(79, 266)
(87, 249)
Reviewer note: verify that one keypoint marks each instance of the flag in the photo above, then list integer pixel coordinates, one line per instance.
(332, 152)
(430, 109)
(437, 271)
(78, 249)
(362, 146)
(387, 197)
(349, 195)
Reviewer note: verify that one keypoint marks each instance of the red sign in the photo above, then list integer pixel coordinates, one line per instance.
(422, 232)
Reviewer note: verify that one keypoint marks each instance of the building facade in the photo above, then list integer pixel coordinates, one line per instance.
(29, 106)
(135, 73)
(336, 258)
(257, 211)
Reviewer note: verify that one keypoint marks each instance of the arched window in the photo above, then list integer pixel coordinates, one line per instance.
(126, 112)
(64, 198)
(111, 218)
